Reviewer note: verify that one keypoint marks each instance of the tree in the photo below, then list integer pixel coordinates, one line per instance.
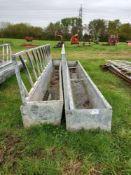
(114, 27)
(97, 29)
(66, 27)
(125, 32)
(72, 25)
(21, 30)
(53, 30)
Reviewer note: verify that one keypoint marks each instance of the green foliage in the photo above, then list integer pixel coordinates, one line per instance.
(67, 27)
(73, 25)
(125, 32)
(114, 27)
(21, 31)
(52, 30)
(103, 29)
(97, 29)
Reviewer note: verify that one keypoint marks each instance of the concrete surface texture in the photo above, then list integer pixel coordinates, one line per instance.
(44, 102)
(85, 106)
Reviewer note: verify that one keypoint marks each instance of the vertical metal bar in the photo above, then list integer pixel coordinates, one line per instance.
(10, 52)
(49, 56)
(45, 56)
(7, 52)
(27, 70)
(26, 92)
(42, 57)
(39, 58)
(3, 52)
(38, 68)
(32, 65)
(43, 53)
(23, 90)
(50, 52)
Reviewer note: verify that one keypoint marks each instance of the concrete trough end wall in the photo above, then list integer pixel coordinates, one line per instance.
(85, 106)
(36, 110)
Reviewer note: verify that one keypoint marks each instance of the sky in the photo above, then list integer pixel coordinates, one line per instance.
(42, 12)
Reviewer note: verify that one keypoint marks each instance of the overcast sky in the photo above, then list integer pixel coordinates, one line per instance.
(41, 12)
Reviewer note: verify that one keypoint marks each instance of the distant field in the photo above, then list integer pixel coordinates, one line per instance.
(121, 51)
(50, 150)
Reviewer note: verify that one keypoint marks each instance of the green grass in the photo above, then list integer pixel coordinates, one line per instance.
(51, 150)
(121, 51)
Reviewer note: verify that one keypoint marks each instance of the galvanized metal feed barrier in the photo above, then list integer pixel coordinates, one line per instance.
(41, 92)
(6, 66)
(85, 106)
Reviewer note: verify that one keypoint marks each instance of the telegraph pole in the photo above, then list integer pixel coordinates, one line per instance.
(81, 18)
(81, 13)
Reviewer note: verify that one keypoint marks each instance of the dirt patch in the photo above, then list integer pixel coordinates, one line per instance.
(29, 45)
(9, 153)
(1, 156)
(73, 73)
(96, 170)
(73, 167)
(52, 92)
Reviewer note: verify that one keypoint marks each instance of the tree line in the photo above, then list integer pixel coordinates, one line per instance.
(102, 29)
(96, 29)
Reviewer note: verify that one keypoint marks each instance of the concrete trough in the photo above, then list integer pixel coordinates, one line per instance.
(85, 106)
(44, 102)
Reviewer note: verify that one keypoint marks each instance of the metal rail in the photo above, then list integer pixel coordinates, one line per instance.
(67, 84)
(5, 53)
(34, 62)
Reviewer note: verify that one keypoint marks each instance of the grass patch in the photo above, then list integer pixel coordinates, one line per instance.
(52, 150)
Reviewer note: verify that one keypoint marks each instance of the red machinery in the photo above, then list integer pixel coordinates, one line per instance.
(75, 39)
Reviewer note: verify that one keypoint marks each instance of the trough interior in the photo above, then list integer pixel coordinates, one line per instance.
(84, 93)
(79, 90)
(52, 92)
(48, 87)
